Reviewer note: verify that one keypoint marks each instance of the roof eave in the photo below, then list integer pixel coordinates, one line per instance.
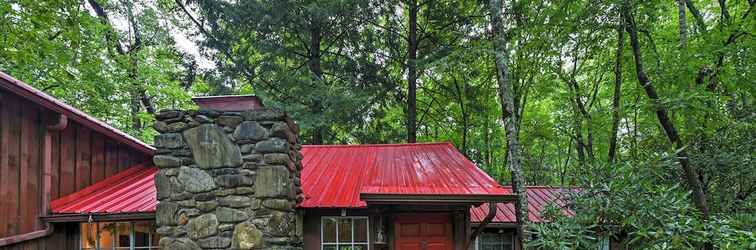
(20, 88)
(375, 198)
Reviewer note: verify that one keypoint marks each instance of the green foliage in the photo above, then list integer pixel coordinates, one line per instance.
(637, 205)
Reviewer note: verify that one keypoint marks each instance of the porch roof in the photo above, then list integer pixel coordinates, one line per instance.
(342, 176)
(539, 197)
(130, 191)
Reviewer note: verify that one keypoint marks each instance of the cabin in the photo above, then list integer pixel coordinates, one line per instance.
(233, 175)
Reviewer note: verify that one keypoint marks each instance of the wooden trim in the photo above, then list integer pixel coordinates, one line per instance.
(98, 217)
(434, 199)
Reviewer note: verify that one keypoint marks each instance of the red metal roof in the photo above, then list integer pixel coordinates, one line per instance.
(334, 176)
(539, 197)
(130, 191)
(20, 88)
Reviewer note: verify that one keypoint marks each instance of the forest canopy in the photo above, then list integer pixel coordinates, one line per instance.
(647, 106)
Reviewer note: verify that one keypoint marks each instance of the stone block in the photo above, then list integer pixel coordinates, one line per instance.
(215, 242)
(207, 206)
(169, 141)
(264, 114)
(247, 237)
(162, 185)
(229, 120)
(166, 114)
(202, 226)
(229, 215)
(211, 147)
(195, 180)
(250, 131)
(272, 181)
(178, 244)
(235, 201)
(277, 204)
(272, 145)
(276, 159)
(166, 161)
(231, 181)
(166, 213)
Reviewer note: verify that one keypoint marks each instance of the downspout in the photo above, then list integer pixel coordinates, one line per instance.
(489, 217)
(46, 186)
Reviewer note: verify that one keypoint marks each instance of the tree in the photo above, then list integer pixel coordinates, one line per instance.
(509, 118)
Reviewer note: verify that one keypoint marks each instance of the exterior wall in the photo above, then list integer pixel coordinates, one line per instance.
(458, 215)
(80, 157)
(65, 236)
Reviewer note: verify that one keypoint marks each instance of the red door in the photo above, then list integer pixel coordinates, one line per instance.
(423, 232)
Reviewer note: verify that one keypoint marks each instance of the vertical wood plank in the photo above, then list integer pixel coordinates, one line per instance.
(4, 176)
(83, 158)
(68, 159)
(124, 158)
(11, 161)
(111, 158)
(98, 157)
(55, 184)
(28, 196)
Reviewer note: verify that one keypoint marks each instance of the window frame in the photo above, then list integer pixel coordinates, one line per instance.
(337, 244)
(132, 236)
(500, 236)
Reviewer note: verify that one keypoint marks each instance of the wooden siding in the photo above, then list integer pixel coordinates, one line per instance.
(66, 236)
(80, 157)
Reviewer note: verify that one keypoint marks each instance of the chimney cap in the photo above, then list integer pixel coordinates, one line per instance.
(229, 102)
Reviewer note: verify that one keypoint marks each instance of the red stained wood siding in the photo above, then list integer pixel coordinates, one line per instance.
(80, 156)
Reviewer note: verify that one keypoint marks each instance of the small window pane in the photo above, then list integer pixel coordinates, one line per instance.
(88, 235)
(107, 230)
(360, 247)
(142, 231)
(124, 235)
(360, 230)
(345, 230)
(345, 247)
(330, 247)
(329, 230)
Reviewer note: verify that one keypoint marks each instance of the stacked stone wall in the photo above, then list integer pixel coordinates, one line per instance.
(228, 180)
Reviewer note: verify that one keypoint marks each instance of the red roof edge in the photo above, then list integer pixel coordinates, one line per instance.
(20, 88)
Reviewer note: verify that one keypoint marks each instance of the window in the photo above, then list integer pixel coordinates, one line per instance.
(495, 241)
(344, 233)
(119, 235)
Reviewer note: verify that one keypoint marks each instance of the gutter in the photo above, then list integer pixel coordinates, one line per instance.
(48, 228)
(489, 217)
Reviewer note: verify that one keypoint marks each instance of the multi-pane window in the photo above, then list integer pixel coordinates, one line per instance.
(344, 233)
(495, 241)
(119, 235)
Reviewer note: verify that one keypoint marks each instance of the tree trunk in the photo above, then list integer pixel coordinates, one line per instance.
(465, 125)
(508, 116)
(616, 108)
(317, 72)
(696, 15)
(682, 23)
(412, 74)
(690, 174)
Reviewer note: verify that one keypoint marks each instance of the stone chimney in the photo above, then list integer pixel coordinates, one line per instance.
(229, 176)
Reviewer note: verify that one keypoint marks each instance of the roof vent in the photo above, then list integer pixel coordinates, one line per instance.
(229, 102)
